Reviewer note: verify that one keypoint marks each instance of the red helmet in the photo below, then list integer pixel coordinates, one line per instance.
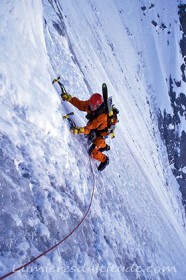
(96, 99)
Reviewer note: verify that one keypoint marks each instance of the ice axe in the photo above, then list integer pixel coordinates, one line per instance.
(72, 123)
(67, 115)
(57, 80)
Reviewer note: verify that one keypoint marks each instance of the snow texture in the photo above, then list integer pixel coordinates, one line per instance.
(136, 227)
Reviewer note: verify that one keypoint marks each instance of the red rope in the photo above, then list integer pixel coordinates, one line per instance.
(66, 237)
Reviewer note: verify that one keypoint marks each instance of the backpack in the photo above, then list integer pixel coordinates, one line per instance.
(108, 108)
(112, 119)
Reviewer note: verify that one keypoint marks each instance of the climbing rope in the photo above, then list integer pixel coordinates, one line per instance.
(65, 238)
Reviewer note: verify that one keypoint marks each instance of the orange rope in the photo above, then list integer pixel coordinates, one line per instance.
(66, 237)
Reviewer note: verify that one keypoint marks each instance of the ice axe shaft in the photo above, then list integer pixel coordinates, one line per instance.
(67, 115)
(60, 84)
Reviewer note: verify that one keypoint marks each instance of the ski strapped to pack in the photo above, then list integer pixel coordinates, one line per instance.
(111, 110)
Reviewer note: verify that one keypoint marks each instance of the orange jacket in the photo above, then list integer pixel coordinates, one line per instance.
(99, 123)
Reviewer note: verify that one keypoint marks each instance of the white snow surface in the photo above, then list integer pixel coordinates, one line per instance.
(136, 226)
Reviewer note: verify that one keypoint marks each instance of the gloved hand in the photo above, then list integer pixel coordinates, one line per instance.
(112, 135)
(66, 97)
(77, 130)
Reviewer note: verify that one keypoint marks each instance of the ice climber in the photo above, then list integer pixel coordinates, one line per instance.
(97, 126)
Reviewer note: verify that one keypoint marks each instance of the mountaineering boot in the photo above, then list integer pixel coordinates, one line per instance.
(91, 149)
(107, 148)
(103, 164)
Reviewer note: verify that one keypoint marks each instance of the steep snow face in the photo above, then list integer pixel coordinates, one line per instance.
(24, 64)
(168, 78)
(136, 228)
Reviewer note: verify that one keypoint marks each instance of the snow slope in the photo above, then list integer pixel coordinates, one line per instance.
(136, 228)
